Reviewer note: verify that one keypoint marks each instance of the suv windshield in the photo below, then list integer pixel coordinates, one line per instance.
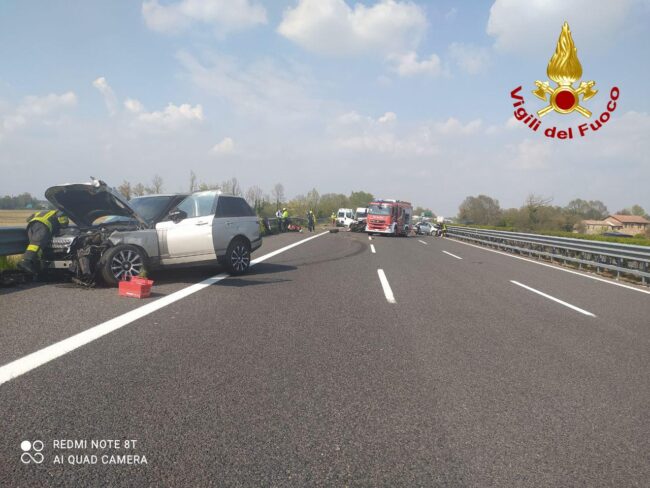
(149, 207)
(378, 210)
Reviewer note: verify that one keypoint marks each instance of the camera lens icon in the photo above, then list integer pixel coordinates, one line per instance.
(32, 452)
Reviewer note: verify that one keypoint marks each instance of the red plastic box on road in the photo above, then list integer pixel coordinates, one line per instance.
(136, 288)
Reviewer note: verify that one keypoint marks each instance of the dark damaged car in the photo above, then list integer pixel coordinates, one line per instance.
(115, 239)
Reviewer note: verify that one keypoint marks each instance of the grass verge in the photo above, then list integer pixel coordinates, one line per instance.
(9, 262)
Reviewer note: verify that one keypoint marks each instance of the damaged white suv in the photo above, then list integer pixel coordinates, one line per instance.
(115, 239)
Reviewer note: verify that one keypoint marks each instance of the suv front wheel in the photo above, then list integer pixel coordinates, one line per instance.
(122, 262)
(238, 256)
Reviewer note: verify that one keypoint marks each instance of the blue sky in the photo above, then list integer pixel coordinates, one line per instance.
(403, 99)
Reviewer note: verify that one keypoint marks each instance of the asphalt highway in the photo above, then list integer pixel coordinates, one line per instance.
(341, 361)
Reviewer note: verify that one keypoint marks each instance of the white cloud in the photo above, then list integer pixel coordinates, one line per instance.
(453, 126)
(107, 92)
(534, 26)
(133, 106)
(349, 118)
(226, 146)
(354, 118)
(37, 109)
(407, 64)
(262, 90)
(470, 58)
(363, 133)
(223, 15)
(624, 139)
(451, 14)
(332, 27)
(172, 117)
(531, 155)
(389, 143)
(390, 29)
(387, 117)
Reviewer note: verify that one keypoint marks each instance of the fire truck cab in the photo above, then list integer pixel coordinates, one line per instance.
(389, 217)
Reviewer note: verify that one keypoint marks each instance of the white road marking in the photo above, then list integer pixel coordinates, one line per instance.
(452, 255)
(34, 360)
(425, 243)
(372, 248)
(572, 307)
(557, 268)
(386, 286)
(370, 238)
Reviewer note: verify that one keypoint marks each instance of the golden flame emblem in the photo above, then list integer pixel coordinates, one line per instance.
(564, 68)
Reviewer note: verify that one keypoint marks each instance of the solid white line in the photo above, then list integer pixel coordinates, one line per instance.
(34, 360)
(386, 286)
(572, 307)
(425, 243)
(452, 255)
(372, 248)
(557, 268)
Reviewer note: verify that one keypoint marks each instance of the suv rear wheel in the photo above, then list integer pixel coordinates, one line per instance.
(122, 262)
(238, 256)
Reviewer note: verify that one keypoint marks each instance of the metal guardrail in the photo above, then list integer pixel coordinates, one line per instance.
(614, 257)
(13, 240)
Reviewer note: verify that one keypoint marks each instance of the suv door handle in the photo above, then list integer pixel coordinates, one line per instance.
(201, 223)
(229, 222)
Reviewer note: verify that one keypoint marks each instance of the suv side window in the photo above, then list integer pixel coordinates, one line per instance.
(198, 204)
(233, 207)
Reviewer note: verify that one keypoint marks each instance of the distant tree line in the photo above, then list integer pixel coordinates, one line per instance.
(537, 213)
(24, 200)
(264, 204)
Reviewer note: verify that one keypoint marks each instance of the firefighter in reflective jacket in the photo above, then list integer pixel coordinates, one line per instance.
(285, 219)
(40, 229)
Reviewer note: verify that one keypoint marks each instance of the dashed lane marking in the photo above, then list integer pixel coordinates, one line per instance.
(386, 286)
(452, 255)
(557, 300)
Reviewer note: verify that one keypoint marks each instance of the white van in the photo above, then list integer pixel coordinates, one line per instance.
(344, 217)
(361, 215)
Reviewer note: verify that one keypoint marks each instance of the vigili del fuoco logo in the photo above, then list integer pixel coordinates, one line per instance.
(564, 69)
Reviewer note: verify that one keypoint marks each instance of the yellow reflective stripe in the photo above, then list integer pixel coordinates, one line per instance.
(44, 219)
(33, 248)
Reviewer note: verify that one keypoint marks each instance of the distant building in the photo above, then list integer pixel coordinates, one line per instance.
(622, 224)
(598, 226)
(631, 224)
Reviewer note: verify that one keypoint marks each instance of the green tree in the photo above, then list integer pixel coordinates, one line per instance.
(592, 209)
(360, 199)
(331, 202)
(481, 210)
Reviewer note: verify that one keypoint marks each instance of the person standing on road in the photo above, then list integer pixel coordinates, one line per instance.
(41, 227)
(311, 220)
(285, 219)
(278, 218)
(333, 217)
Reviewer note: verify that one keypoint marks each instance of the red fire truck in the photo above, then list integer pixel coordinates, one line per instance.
(390, 217)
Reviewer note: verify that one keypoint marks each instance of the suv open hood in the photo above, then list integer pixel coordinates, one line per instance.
(86, 202)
